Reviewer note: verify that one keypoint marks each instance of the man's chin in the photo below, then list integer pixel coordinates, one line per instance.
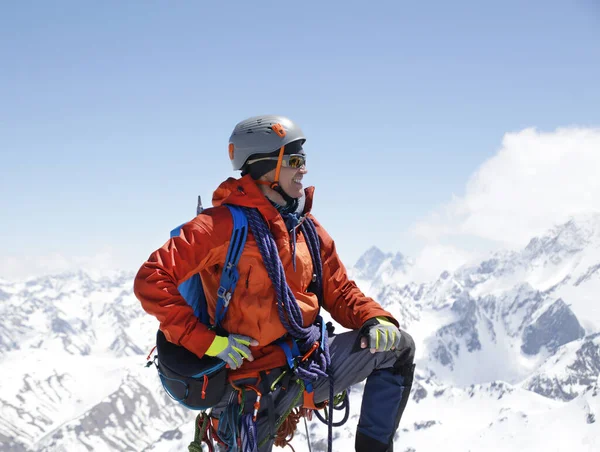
(296, 194)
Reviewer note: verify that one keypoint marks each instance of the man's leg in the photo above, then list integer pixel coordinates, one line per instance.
(350, 365)
(389, 379)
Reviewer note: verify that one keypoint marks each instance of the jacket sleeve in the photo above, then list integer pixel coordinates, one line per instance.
(156, 282)
(341, 297)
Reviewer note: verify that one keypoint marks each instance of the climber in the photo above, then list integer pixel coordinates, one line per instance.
(271, 335)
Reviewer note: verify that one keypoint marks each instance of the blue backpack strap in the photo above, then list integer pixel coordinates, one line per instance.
(230, 274)
(290, 353)
(192, 291)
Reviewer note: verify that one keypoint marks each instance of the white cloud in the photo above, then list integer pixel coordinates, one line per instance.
(536, 179)
(433, 259)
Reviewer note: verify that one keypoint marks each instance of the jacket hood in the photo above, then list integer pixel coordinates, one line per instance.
(245, 193)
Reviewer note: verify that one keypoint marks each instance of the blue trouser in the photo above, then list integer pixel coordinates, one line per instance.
(389, 378)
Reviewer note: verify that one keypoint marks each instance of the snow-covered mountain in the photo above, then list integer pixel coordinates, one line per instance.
(524, 323)
(508, 356)
(376, 269)
(73, 361)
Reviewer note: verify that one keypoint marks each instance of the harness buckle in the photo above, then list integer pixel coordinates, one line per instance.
(225, 295)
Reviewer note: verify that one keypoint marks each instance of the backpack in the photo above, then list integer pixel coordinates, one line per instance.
(199, 383)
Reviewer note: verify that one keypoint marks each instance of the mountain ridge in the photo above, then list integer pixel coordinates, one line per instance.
(520, 325)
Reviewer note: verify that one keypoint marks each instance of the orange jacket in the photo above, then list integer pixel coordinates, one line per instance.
(201, 248)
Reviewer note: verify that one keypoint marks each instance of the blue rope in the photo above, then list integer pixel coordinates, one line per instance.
(312, 240)
(343, 405)
(229, 423)
(249, 435)
(291, 222)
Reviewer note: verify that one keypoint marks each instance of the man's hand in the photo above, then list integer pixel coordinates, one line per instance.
(232, 349)
(382, 336)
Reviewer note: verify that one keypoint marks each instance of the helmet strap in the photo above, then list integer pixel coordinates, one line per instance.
(289, 201)
(275, 185)
(278, 167)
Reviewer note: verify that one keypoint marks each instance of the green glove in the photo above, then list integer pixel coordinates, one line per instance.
(232, 349)
(381, 336)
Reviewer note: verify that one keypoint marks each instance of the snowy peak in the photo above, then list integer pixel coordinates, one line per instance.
(375, 269)
(566, 254)
(369, 264)
(522, 308)
(567, 238)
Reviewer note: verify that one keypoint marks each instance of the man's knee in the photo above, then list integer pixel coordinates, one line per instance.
(407, 343)
(404, 364)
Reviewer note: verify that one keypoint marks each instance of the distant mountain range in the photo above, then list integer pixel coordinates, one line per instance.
(508, 356)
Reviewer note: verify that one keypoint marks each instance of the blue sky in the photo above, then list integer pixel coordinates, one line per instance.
(115, 115)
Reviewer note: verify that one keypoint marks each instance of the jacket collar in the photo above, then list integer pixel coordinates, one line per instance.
(245, 193)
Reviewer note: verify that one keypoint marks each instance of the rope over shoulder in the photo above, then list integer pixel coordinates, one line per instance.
(287, 306)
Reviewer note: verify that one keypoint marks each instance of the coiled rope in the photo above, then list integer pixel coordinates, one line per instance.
(287, 306)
